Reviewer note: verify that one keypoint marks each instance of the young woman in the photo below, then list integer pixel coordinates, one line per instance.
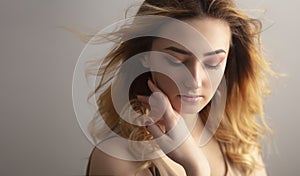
(183, 79)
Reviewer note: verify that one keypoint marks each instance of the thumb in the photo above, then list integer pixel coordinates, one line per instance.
(154, 130)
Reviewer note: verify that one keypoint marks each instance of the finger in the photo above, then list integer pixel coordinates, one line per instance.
(165, 106)
(144, 100)
(152, 86)
(157, 103)
(154, 130)
(158, 97)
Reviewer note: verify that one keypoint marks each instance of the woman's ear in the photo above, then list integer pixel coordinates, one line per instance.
(145, 61)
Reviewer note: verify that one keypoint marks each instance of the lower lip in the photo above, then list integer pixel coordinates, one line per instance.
(191, 99)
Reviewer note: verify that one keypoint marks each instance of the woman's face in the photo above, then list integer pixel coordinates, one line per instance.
(189, 93)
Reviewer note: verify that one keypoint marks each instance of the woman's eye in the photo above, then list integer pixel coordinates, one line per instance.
(212, 62)
(212, 65)
(173, 61)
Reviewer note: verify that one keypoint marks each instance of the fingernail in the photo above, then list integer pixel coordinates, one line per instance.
(148, 123)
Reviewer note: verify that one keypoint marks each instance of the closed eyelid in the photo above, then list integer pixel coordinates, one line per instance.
(214, 58)
(173, 59)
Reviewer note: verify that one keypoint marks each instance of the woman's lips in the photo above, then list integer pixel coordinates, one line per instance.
(191, 98)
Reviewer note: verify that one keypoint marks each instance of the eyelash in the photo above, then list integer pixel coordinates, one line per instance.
(172, 62)
(212, 67)
(213, 60)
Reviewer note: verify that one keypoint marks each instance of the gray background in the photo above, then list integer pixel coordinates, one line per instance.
(38, 128)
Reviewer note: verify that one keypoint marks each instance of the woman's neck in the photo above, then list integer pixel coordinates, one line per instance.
(194, 124)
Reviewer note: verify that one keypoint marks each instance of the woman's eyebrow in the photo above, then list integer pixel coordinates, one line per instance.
(214, 52)
(181, 51)
(178, 50)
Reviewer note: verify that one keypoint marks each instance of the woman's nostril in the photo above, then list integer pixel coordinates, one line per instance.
(192, 83)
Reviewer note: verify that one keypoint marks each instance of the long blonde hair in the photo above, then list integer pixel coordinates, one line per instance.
(246, 77)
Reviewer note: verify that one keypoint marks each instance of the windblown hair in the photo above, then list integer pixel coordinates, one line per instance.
(246, 76)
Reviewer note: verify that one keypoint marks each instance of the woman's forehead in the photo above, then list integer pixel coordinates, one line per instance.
(206, 35)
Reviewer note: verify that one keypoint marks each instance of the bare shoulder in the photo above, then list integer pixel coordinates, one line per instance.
(101, 163)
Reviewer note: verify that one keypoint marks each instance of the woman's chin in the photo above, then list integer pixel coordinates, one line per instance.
(190, 109)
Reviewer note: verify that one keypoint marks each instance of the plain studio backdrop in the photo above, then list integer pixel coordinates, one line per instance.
(38, 130)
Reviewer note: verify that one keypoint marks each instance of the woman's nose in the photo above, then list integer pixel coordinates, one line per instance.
(198, 75)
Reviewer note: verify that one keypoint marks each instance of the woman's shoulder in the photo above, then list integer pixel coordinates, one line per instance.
(101, 163)
(258, 171)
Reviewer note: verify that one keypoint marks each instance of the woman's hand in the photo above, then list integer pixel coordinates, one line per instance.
(175, 140)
